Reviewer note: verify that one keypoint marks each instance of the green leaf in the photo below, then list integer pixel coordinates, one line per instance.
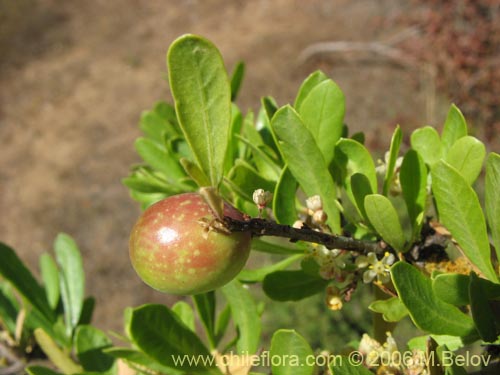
(309, 83)
(156, 127)
(413, 179)
(185, 314)
(14, 271)
(8, 313)
(467, 156)
(360, 187)
(245, 317)
(222, 323)
(428, 312)
(292, 285)
(454, 128)
(195, 172)
(258, 275)
(427, 143)
(420, 342)
(200, 87)
(50, 277)
(157, 331)
(342, 365)
(392, 309)
(322, 111)
(159, 157)
(294, 351)
(246, 180)
(205, 305)
(452, 288)
(306, 161)
(60, 359)
(277, 246)
(89, 345)
(385, 220)
(40, 370)
(492, 202)
(264, 159)
(236, 79)
(87, 311)
(284, 198)
(139, 360)
(460, 212)
(72, 279)
(352, 157)
(393, 156)
(481, 310)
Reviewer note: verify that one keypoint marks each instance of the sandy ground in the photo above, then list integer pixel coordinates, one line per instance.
(75, 76)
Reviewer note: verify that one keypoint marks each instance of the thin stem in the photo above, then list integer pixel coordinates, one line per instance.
(261, 227)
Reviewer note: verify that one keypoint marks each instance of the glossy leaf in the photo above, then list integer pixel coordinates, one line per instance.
(306, 161)
(50, 277)
(245, 317)
(481, 310)
(392, 309)
(322, 111)
(237, 79)
(427, 143)
(460, 212)
(89, 345)
(284, 198)
(428, 312)
(467, 156)
(393, 156)
(309, 83)
(185, 314)
(157, 331)
(413, 179)
(492, 203)
(292, 285)
(454, 128)
(202, 94)
(385, 220)
(352, 157)
(72, 279)
(294, 351)
(258, 274)
(14, 270)
(205, 305)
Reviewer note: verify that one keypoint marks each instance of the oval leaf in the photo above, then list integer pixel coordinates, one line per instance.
(202, 94)
(427, 143)
(306, 161)
(393, 156)
(467, 156)
(427, 311)
(385, 220)
(245, 317)
(89, 345)
(481, 310)
(460, 212)
(309, 83)
(292, 285)
(392, 309)
(492, 202)
(454, 128)
(284, 198)
(157, 331)
(50, 277)
(294, 351)
(323, 114)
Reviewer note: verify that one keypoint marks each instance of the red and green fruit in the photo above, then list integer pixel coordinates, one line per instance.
(173, 252)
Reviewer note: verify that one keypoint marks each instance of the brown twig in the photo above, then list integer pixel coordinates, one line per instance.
(16, 365)
(261, 227)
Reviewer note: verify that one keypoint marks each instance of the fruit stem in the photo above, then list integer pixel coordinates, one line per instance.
(261, 227)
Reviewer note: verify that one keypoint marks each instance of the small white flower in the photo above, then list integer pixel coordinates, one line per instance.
(376, 268)
(314, 203)
(261, 198)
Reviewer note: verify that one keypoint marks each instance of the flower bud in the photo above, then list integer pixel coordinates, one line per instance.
(261, 198)
(314, 203)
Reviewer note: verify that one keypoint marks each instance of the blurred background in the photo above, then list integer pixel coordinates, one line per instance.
(75, 76)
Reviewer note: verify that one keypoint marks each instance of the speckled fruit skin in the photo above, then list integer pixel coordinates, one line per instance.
(173, 253)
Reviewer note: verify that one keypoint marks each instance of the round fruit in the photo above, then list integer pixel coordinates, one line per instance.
(173, 252)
